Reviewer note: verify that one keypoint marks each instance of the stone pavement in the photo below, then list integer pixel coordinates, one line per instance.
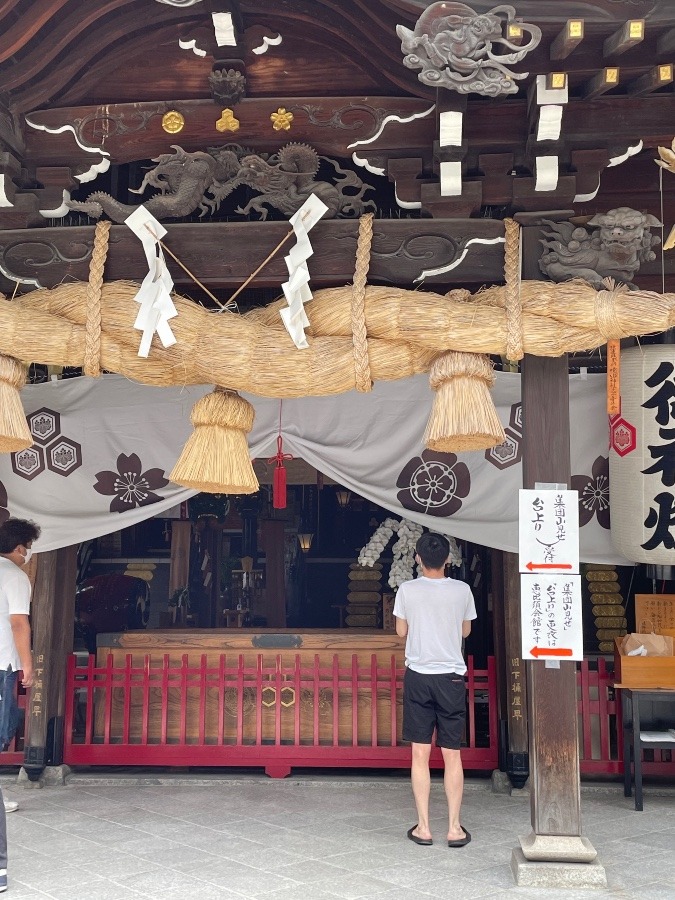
(308, 837)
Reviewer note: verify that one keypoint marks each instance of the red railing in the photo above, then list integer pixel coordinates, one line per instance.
(274, 714)
(600, 726)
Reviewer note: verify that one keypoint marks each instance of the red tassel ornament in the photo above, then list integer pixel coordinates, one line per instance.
(279, 479)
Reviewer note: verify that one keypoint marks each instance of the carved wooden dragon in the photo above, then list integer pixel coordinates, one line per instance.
(185, 181)
(288, 178)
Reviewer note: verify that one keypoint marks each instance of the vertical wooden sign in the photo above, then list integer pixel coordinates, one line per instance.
(613, 378)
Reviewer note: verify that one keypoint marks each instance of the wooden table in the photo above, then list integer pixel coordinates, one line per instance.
(636, 721)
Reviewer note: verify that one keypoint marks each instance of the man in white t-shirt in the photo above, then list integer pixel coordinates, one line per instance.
(434, 614)
(16, 540)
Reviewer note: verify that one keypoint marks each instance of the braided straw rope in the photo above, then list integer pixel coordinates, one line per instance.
(364, 381)
(514, 318)
(606, 318)
(92, 334)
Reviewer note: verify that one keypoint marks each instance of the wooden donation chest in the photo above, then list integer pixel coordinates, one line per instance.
(253, 681)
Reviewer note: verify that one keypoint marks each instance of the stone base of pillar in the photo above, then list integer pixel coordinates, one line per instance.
(557, 847)
(557, 873)
(50, 776)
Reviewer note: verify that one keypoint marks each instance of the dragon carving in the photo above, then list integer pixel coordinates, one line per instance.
(453, 46)
(185, 181)
(615, 246)
(287, 179)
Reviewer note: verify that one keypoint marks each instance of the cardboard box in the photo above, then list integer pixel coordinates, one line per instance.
(643, 671)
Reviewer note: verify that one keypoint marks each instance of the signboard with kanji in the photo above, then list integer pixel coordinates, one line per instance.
(550, 617)
(549, 531)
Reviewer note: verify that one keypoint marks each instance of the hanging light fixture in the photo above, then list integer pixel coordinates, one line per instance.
(305, 539)
(343, 497)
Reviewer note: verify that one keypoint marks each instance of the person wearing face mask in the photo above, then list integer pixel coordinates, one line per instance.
(16, 540)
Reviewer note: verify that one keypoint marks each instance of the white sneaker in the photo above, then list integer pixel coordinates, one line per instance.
(11, 806)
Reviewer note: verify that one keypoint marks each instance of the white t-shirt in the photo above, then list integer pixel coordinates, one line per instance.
(434, 609)
(14, 600)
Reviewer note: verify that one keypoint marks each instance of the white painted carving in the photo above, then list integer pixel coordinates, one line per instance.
(403, 120)
(450, 129)
(407, 204)
(60, 211)
(617, 160)
(223, 26)
(451, 179)
(361, 161)
(4, 199)
(550, 123)
(552, 95)
(546, 168)
(429, 273)
(191, 45)
(180, 2)
(266, 44)
(614, 161)
(63, 128)
(94, 171)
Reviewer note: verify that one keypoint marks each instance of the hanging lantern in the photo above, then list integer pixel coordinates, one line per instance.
(642, 457)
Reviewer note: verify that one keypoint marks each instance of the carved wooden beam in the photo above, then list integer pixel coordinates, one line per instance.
(224, 254)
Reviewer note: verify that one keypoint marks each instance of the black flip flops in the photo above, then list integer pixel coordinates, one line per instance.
(424, 842)
(463, 842)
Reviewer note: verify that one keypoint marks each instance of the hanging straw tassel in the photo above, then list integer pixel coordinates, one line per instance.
(215, 458)
(463, 416)
(14, 431)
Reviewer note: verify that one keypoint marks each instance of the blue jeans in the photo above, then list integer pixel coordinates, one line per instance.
(9, 711)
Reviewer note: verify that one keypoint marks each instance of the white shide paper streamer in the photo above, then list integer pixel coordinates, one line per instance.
(296, 289)
(154, 294)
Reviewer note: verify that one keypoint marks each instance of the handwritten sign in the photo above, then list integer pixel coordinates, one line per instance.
(549, 531)
(550, 617)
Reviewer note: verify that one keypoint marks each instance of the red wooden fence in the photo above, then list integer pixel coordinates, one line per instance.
(271, 715)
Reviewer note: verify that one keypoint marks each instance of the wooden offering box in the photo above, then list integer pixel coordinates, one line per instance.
(643, 671)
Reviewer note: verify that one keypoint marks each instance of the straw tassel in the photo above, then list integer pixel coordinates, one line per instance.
(14, 431)
(463, 416)
(216, 458)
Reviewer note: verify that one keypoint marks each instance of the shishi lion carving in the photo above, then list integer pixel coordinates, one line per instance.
(618, 242)
(453, 46)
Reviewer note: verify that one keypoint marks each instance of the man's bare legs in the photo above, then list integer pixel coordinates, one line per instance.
(453, 781)
(421, 786)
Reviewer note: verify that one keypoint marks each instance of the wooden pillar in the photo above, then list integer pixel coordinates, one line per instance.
(273, 544)
(554, 749)
(52, 620)
(517, 756)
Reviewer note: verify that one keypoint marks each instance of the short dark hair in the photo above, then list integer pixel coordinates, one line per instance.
(17, 533)
(433, 550)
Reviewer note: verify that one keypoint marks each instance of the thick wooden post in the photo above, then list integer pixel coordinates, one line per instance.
(52, 619)
(517, 756)
(554, 748)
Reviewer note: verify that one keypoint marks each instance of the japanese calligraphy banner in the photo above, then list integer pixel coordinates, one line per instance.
(550, 617)
(642, 457)
(104, 447)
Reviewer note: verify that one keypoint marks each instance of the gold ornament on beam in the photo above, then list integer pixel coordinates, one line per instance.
(173, 122)
(227, 121)
(281, 120)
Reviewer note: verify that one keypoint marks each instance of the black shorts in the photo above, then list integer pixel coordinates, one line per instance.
(434, 702)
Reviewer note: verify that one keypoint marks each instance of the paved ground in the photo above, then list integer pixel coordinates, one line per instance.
(305, 838)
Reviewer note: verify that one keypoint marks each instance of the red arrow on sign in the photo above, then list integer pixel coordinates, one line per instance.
(550, 651)
(532, 566)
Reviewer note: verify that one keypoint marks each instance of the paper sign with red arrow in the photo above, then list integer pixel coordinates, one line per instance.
(550, 651)
(557, 567)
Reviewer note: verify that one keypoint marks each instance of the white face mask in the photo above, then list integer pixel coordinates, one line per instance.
(29, 553)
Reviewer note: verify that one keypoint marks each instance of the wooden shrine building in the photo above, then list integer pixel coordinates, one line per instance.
(485, 145)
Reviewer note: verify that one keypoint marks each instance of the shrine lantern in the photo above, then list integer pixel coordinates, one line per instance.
(642, 457)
